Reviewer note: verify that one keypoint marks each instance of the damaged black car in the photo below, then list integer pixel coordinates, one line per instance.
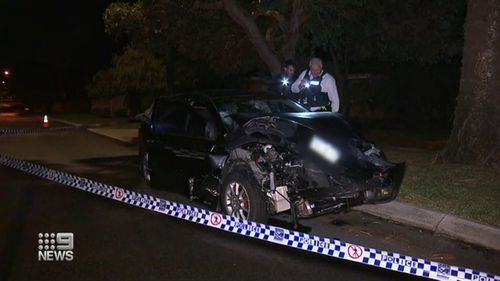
(253, 155)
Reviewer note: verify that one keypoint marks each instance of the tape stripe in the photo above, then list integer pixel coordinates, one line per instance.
(302, 241)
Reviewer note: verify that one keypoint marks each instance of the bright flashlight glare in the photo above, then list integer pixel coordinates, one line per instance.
(307, 85)
(325, 149)
(284, 81)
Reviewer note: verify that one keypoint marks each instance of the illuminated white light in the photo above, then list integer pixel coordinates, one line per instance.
(284, 81)
(325, 149)
(307, 85)
(314, 83)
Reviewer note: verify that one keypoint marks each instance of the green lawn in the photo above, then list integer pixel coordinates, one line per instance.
(468, 191)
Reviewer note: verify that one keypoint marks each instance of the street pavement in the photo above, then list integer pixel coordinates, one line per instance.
(114, 241)
(25, 121)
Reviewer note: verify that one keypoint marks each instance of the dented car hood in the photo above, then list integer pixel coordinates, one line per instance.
(296, 130)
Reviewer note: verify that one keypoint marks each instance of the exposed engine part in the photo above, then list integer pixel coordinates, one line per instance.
(331, 209)
(212, 191)
(303, 208)
(191, 189)
(267, 147)
(204, 189)
(272, 186)
(290, 165)
(271, 166)
(372, 151)
(307, 208)
(279, 199)
(378, 194)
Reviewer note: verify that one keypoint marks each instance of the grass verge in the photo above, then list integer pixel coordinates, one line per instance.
(467, 191)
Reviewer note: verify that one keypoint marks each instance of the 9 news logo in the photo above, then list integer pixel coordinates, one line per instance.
(55, 246)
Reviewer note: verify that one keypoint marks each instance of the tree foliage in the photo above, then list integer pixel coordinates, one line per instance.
(125, 20)
(272, 27)
(136, 73)
(388, 31)
(236, 35)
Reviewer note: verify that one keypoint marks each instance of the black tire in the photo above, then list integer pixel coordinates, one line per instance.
(257, 210)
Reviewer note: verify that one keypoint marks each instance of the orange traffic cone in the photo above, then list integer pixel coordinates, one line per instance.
(45, 121)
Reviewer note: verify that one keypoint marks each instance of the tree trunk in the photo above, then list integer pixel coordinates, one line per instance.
(476, 129)
(245, 21)
(292, 33)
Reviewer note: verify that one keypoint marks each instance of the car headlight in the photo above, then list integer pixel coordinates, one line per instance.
(325, 149)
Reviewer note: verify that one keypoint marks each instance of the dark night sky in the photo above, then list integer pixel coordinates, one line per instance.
(54, 34)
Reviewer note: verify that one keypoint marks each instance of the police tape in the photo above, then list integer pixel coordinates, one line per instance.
(24, 131)
(294, 239)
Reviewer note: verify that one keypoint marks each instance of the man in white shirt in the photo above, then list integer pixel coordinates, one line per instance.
(318, 90)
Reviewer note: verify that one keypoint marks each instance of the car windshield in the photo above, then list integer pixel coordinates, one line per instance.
(257, 105)
(235, 111)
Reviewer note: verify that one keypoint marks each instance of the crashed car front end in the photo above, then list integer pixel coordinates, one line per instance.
(309, 173)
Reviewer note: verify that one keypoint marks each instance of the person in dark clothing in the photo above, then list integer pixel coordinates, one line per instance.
(281, 83)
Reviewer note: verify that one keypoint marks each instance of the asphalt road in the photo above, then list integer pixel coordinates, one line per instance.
(115, 241)
(25, 121)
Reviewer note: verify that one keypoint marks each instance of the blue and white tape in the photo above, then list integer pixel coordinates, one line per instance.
(24, 131)
(302, 241)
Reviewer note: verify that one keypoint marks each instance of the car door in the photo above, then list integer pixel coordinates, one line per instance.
(167, 135)
(184, 132)
(203, 130)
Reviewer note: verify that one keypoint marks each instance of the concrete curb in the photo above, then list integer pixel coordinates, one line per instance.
(72, 123)
(123, 138)
(440, 223)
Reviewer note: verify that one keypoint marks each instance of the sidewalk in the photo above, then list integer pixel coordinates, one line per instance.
(439, 223)
(128, 136)
(73, 123)
(124, 135)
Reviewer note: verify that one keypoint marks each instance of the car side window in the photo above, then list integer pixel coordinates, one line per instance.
(171, 117)
(201, 120)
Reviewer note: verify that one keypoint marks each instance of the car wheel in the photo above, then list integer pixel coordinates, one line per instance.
(241, 198)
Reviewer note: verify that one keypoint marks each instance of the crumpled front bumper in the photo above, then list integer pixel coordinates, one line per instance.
(390, 189)
(377, 190)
